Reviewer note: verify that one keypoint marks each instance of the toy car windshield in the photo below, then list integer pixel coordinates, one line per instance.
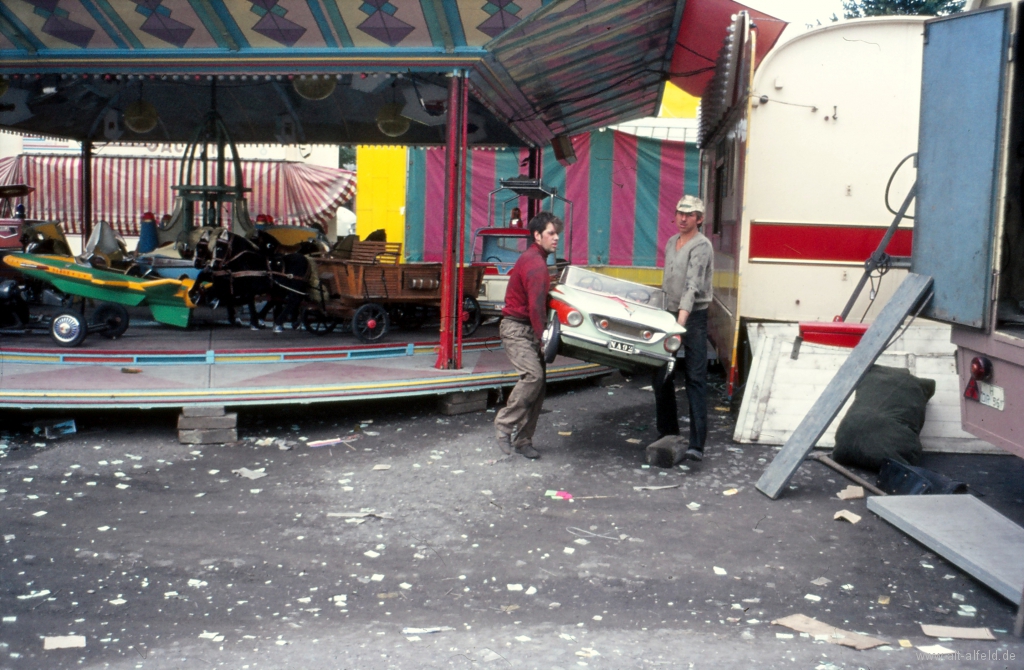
(620, 288)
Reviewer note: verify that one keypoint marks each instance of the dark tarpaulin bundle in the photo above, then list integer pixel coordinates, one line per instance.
(885, 419)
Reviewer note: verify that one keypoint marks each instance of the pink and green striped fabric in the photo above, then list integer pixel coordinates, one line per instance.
(623, 189)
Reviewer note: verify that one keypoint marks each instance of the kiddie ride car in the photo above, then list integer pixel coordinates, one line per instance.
(66, 326)
(500, 247)
(601, 319)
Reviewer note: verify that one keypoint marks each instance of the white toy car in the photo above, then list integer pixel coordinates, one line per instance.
(609, 321)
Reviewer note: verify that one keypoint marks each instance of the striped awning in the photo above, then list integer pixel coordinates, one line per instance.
(125, 187)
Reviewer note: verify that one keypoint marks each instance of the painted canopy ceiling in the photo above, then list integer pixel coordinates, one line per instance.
(537, 68)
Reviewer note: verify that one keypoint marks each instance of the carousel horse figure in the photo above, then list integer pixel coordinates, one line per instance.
(237, 271)
(290, 273)
(233, 271)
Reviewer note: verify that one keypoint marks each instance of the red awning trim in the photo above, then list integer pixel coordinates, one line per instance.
(125, 187)
(700, 38)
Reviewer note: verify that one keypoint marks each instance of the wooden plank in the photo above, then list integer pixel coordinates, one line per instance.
(966, 532)
(828, 404)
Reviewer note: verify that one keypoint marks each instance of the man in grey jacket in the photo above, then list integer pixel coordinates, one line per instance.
(689, 268)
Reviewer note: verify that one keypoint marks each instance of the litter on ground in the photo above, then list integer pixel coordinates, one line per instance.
(63, 642)
(851, 493)
(426, 631)
(957, 632)
(250, 474)
(831, 634)
(846, 515)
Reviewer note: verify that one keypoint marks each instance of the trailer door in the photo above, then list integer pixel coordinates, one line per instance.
(959, 151)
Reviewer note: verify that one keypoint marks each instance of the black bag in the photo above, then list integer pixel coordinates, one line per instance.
(885, 419)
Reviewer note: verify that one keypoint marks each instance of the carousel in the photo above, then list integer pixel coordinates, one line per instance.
(526, 74)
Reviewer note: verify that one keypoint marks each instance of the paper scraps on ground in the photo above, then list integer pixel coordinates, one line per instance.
(325, 443)
(426, 631)
(266, 442)
(63, 642)
(693, 506)
(360, 515)
(957, 633)
(565, 433)
(821, 581)
(851, 493)
(846, 515)
(936, 649)
(558, 495)
(823, 631)
(35, 594)
(655, 488)
(382, 466)
(633, 440)
(730, 492)
(250, 474)
(883, 600)
(720, 571)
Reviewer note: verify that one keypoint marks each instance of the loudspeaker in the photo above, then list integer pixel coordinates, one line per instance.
(562, 146)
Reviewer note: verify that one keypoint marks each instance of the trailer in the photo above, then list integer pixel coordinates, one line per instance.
(794, 169)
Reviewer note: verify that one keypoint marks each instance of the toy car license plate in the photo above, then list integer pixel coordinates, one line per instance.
(621, 346)
(991, 396)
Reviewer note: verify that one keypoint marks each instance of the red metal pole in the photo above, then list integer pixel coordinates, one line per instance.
(445, 349)
(461, 237)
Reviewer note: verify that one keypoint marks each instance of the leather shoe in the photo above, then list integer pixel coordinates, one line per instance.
(505, 443)
(527, 450)
(694, 454)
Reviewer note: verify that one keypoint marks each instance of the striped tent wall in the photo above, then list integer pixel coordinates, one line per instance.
(623, 191)
(124, 188)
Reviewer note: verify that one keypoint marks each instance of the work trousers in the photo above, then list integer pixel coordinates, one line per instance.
(518, 417)
(695, 375)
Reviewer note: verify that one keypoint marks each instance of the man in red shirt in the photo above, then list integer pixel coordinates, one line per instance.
(522, 326)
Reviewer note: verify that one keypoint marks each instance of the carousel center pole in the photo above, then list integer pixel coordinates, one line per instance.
(446, 351)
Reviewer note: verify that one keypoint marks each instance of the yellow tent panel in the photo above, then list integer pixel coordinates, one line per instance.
(380, 202)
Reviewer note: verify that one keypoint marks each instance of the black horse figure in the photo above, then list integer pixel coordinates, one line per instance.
(237, 271)
(290, 274)
(233, 271)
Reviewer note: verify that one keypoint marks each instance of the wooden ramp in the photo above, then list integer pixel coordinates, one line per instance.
(966, 532)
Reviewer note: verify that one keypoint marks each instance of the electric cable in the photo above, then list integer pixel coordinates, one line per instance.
(889, 184)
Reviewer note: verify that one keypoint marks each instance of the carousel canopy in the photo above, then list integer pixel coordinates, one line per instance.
(331, 71)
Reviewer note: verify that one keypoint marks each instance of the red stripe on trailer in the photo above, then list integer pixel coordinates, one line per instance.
(822, 243)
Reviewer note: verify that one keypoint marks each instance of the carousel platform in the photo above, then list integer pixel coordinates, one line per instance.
(216, 364)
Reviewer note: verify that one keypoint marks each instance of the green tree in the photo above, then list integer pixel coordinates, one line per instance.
(856, 9)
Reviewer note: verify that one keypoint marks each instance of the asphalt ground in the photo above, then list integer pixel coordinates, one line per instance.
(162, 558)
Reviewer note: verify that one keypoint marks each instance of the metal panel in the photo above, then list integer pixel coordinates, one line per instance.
(958, 156)
(964, 531)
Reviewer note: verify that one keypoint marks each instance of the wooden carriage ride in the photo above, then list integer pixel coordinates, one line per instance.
(368, 290)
